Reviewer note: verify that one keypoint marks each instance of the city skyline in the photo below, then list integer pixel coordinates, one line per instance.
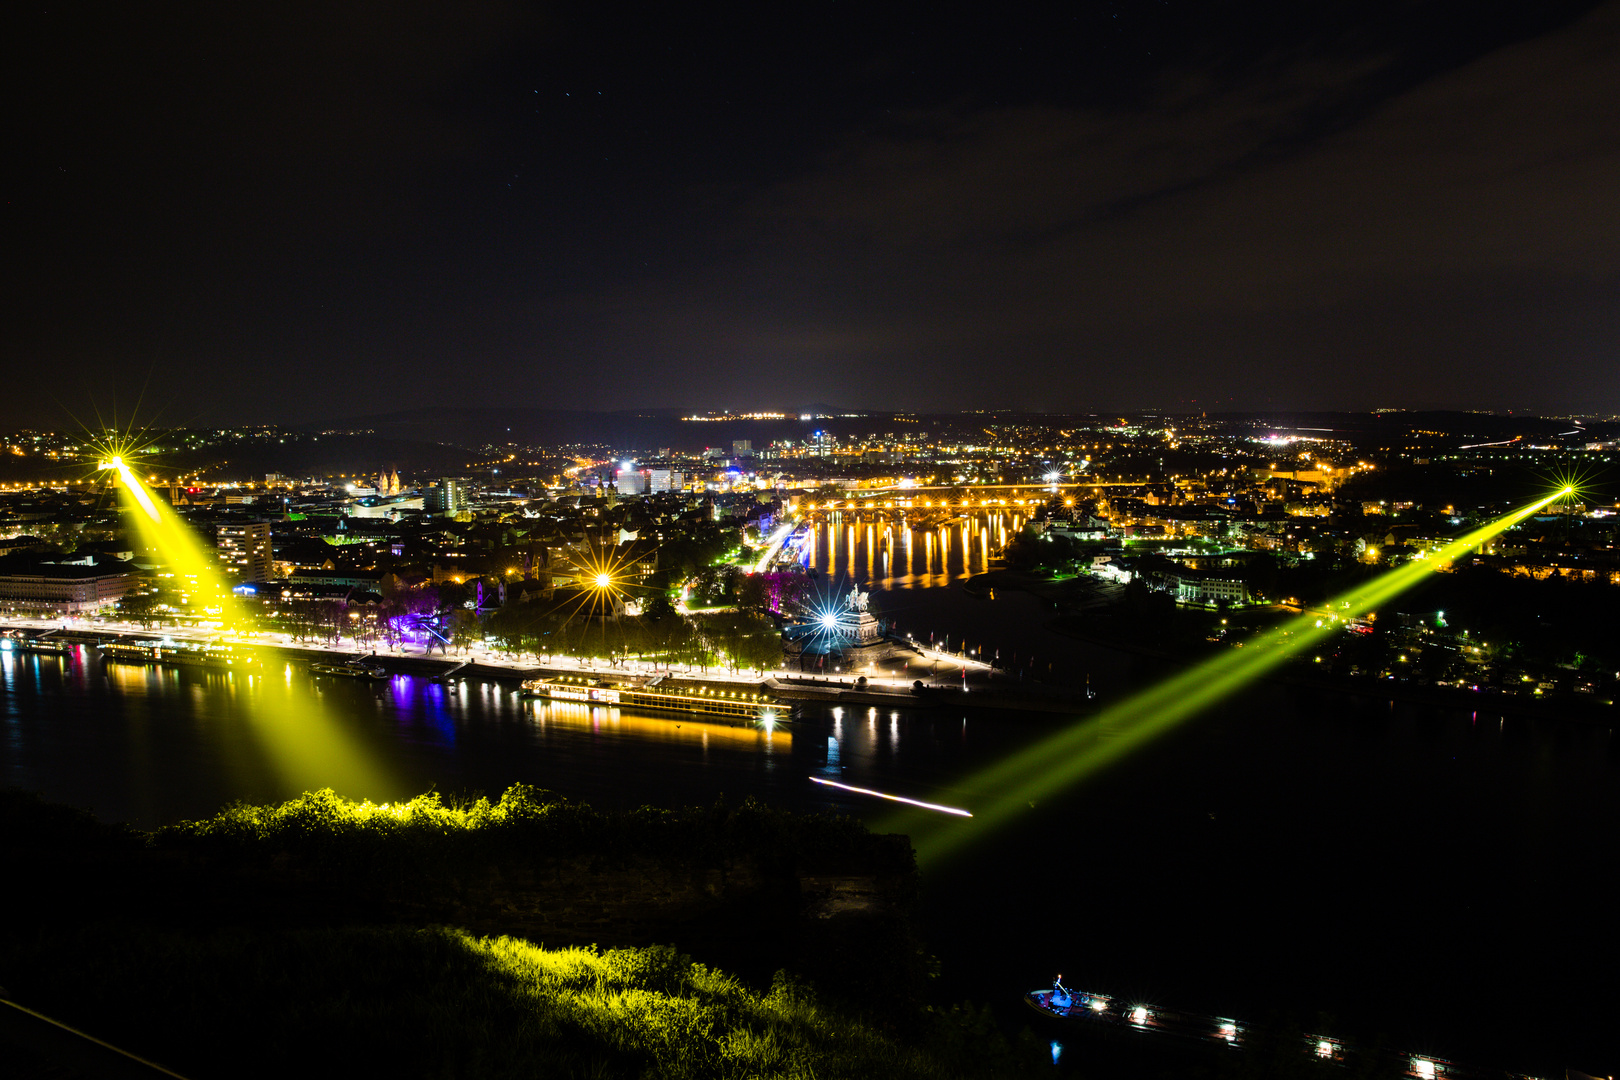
(293, 217)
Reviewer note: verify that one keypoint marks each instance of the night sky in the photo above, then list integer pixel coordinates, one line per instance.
(285, 212)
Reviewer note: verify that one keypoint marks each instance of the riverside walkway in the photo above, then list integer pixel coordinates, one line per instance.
(984, 687)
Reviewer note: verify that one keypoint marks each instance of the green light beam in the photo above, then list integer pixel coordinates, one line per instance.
(1065, 758)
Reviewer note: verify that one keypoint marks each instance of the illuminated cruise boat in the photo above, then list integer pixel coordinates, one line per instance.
(22, 643)
(215, 655)
(743, 704)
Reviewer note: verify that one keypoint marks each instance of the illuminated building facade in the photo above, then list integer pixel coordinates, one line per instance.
(244, 550)
(447, 497)
(630, 481)
(65, 589)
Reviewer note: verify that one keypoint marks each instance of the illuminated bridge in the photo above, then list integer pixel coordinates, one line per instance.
(925, 505)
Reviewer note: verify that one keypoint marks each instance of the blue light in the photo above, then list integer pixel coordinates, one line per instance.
(1057, 1051)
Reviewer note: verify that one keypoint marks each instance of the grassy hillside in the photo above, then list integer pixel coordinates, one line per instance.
(133, 938)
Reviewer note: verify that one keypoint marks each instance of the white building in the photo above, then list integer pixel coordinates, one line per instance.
(630, 481)
(660, 480)
(1192, 587)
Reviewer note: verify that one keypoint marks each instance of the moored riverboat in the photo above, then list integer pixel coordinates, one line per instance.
(747, 706)
(349, 669)
(215, 655)
(48, 646)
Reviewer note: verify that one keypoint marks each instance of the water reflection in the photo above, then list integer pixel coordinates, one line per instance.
(607, 720)
(895, 552)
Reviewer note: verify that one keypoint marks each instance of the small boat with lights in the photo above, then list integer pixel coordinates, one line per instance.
(215, 655)
(356, 668)
(746, 705)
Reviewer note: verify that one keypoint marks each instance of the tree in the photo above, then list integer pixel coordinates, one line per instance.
(751, 595)
(464, 628)
(139, 607)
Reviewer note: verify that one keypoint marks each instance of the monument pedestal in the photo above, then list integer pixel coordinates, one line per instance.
(866, 630)
(864, 644)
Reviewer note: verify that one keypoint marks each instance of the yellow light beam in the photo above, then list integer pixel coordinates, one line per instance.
(135, 488)
(164, 531)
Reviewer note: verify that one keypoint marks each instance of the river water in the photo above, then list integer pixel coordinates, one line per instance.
(1437, 876)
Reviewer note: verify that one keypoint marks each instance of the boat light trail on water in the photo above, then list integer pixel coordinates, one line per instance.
(1075, 754)
(895, 798)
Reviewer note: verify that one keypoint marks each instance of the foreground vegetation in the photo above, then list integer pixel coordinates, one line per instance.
(155, 943)
(426, 839)
(440, 1003)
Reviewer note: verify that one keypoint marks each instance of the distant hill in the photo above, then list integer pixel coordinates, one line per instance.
(320, 456)
(1362, 427)
(639, 429)
(250, 459)
(643, 430)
